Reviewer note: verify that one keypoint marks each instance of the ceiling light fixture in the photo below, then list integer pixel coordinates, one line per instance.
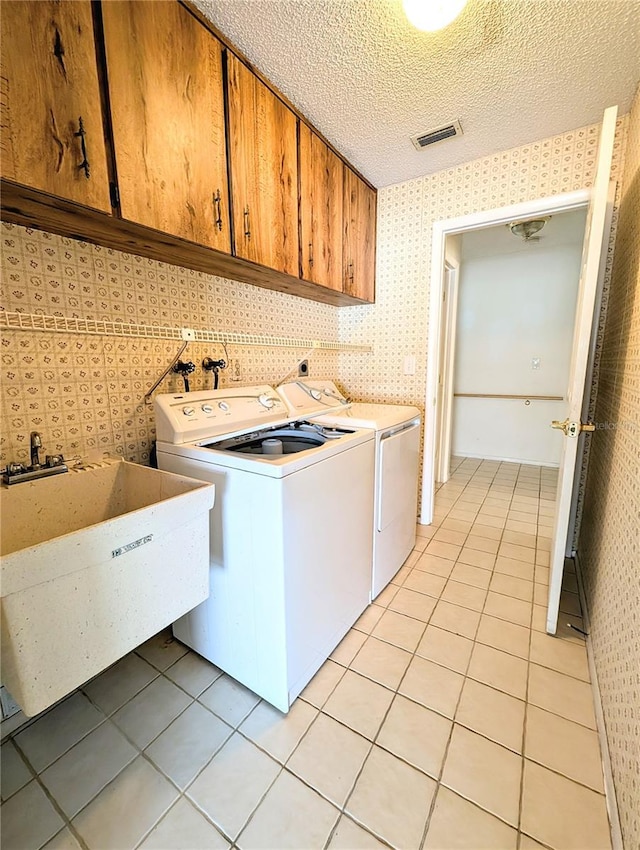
(527, 229)
(432, 15)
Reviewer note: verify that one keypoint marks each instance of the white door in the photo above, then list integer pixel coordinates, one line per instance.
(592, 249)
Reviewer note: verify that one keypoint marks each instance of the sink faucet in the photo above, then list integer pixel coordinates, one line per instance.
(14, 473)
(36, 445)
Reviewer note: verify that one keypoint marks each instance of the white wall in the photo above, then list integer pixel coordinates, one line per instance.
(516, 302)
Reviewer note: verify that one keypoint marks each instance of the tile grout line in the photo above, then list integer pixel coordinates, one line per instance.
(386, 714)
(319, 711)
(142, 752)
(524, 735)
(395, 691)
(447, 747)
(58, 809)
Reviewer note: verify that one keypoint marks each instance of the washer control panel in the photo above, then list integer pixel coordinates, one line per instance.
(190, 417)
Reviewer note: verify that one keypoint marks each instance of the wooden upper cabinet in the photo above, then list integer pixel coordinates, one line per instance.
(167, 106)
(320, 205)
(140, 103)
(264, 182)
(52, 136)
(359, 237)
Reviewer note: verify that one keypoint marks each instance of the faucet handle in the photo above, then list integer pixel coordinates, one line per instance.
(14, 468)
(54, 460)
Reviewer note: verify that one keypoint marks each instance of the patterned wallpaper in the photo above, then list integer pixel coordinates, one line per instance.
(609, 545)
(84, 393)
(397, 323)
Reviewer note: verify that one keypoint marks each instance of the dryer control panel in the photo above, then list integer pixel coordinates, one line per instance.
(312, 397)
(191, 417)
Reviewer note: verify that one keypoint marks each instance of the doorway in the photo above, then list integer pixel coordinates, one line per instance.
(443, 230)
(507, 324)
(599, 201)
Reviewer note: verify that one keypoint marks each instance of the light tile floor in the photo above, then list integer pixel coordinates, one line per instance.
(446, 718)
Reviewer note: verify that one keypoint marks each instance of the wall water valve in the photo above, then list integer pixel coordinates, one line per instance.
(210, 365)
(185, 369)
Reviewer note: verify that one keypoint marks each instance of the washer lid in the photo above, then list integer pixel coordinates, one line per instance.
(378, 417)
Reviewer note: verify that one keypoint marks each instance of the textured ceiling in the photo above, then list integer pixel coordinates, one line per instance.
(512, 71)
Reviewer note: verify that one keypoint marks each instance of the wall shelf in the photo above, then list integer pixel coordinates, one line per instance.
(94, 327)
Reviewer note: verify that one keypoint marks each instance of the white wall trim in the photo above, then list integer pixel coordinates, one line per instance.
(441, 229)
(544, 464)
(607, 770)
(444, 411)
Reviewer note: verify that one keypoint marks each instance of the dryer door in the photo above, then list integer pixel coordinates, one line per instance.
(398, 478)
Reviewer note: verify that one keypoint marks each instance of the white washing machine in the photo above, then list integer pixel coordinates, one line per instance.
(397, 450)
(291, 532)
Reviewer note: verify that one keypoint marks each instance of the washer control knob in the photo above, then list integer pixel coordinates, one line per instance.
(223, 405)
(206, 408)
(188, 411)
(315, 394)
(265, 401)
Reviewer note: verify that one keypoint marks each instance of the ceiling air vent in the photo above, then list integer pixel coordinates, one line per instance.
(439, 134)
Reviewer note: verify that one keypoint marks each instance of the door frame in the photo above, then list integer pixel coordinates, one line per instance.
(549, 205)
(444, 399)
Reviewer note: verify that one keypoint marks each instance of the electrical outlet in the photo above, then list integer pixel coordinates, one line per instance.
(535, 362)
(303, 368)
(188, 334)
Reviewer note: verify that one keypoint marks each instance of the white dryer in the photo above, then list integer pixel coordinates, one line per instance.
(397, 453)
(291, 538)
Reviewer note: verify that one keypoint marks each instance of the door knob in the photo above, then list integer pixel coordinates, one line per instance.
(562, 426)
(572, 429)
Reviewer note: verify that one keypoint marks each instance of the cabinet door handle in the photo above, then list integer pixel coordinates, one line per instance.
(310, 253)
(350, 272)
(217, 209)
(84, 165)
(247, 231)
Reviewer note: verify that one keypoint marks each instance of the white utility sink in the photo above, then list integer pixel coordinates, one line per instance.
(94, 562)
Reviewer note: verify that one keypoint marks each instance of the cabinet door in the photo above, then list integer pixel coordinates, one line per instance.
(264, 181)
(50, 95)
(359, 237)
(320, 205)
(167, 107)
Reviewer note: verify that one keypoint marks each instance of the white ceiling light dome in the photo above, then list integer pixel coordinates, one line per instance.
(432, 15)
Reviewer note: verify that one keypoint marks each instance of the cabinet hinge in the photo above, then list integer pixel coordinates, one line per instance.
(114, 195)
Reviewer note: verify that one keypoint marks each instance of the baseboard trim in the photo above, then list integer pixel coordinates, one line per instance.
(546, 463)
(609, 787)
